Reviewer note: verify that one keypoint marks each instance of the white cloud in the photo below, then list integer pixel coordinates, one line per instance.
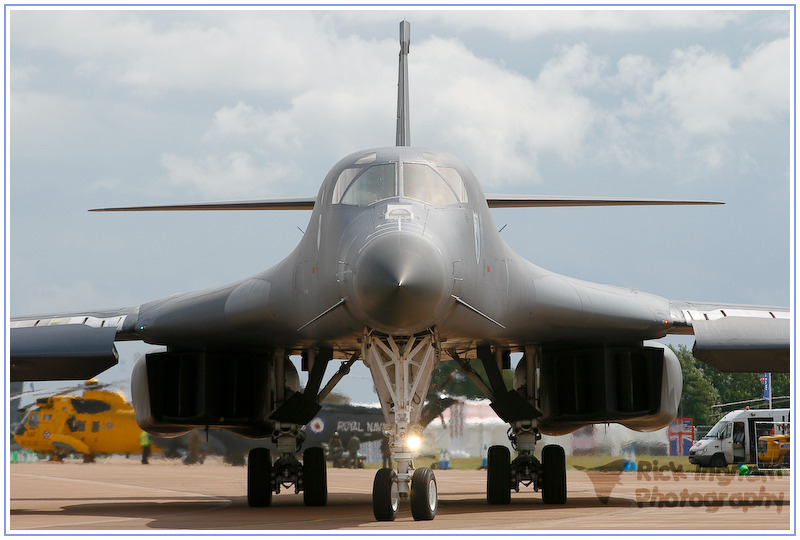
(520, 24)
(303, 91)
(479, 108)
(707, 93)
(21, 76)
(239, 120)
(150, 53)
(269, 131)
(468, 103)
(233, 175)
(40, 119)
(766, 75)
(329, 119)
(712, 156)
(634, 71)
(573, 66)
(476, 107)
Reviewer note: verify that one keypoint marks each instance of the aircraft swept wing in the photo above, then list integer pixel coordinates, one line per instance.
(67, 346)
(300, 203)
(401, 264)
(542, 201)
(738, 338)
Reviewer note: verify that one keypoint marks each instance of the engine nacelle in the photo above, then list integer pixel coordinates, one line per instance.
(175, 392)
(638, 387)
(140, 398)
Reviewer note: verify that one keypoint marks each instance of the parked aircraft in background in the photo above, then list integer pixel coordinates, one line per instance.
(98, 422)
(401, 264)
(366, 422)
(102, 422)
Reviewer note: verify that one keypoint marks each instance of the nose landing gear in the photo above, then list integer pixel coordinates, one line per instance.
(402, 369)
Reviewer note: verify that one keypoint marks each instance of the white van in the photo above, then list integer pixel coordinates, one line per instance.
(734, 439)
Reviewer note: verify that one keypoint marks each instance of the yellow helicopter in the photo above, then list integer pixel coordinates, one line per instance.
(97, 422)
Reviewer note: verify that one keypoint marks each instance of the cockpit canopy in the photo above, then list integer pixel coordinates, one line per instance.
(367, 182)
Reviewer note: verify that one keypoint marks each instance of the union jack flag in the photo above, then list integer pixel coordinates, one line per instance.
(681, 433)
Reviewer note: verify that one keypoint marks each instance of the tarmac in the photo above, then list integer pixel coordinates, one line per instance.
(117, 494)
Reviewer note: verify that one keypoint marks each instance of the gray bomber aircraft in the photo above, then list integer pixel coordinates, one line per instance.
(400, 264)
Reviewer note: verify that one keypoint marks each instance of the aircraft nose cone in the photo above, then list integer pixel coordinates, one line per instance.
(400, 281)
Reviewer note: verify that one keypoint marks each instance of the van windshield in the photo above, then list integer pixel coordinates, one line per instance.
(715, 432)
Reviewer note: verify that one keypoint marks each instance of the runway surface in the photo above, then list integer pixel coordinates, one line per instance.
(121, 495)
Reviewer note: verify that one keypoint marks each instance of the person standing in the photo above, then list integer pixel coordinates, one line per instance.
(146, 444)
(335, 450)
(352, 446)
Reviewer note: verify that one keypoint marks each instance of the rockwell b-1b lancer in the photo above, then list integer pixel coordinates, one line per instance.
(400, 265)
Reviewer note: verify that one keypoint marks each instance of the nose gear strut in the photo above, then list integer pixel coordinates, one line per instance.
(402, 368)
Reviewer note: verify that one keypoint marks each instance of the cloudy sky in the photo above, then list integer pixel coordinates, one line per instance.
(137, 107)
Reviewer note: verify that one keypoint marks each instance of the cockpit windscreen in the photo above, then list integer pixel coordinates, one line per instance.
(362, 186)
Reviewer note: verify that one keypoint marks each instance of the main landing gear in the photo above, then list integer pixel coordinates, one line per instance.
(264, 477)
(402, 369)
(517, 407)
(295, 410)
(503, 475)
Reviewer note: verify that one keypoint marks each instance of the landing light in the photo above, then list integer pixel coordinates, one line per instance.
(414, 442)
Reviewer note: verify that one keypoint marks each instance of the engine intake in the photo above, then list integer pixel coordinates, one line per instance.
(638, 387)
(174, 392)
